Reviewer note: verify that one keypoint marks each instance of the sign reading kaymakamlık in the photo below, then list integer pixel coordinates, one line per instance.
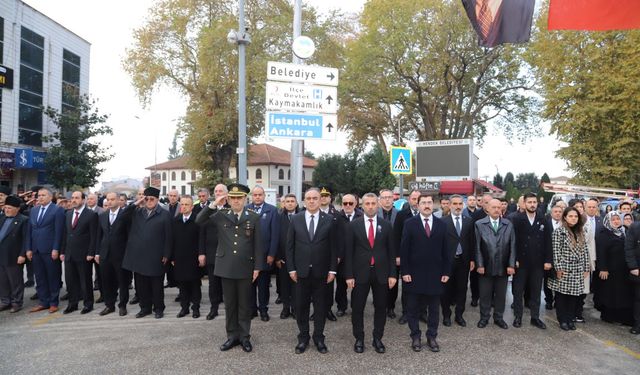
(295, 97)
(315, 75)
(288, 125)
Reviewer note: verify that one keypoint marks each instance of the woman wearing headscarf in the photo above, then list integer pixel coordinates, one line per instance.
(571, 264)
(613, 294)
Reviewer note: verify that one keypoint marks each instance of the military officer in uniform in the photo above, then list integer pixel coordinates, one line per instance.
(239, 259)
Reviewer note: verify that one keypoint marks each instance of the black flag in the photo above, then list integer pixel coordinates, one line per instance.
(500, 21)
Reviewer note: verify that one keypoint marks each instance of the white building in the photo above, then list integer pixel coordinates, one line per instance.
(267, 166)
(39, 60)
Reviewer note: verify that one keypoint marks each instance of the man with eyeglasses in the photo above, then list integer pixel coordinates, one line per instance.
(148, 248)
(346, 216)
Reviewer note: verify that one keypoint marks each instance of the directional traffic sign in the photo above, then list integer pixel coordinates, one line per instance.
(301, 98)
(400, 160)
(318, 75)
(289, 125)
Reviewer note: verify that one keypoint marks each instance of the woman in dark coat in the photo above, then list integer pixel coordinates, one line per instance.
(184, 257)
(613, 294)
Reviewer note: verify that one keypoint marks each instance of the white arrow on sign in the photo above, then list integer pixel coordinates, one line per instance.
(295, 97)
(286, 72)
(287, 125)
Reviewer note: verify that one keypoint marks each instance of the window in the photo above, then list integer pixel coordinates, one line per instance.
(70, 81)
(164, 176)
(193, 176)
(164, 190)
(183, 176)
(289, 174)
(303, 179)
(281, 174)
(183, 190)
(192, 190)
(258, 174)
(31, 78)
(280, 190)
(173, 176)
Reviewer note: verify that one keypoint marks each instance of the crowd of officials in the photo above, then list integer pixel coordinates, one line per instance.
(318, 254)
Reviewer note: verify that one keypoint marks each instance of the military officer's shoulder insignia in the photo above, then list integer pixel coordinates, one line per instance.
(250, 210)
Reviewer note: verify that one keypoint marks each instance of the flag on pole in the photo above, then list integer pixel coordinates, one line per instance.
(500, 21)
(594, 15)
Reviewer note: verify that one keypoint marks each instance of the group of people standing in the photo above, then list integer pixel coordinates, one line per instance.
(319, 253)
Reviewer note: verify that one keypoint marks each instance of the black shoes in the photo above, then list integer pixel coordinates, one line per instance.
(35, 297)
(391, 314)
(70, 309)
(264, 316)
(142, 314)
(182, 313)
(301, 347)
(195, 314)
(433, 344)
(538, 323)
(212, 314)
(286, 312)
(278, 300)
(358, 347)
(548, 306)
(635, 330)
(340, 313)
(403, 319)
(564, 326)
(322, 348)
(107, 311)
(482, 323)
(65, 297)
(517, 322)
(416, 345)
(331, 317)
(29, 284)
(446, 321)
(501, 323)
(159, 315)
(135, 300)
(122, 311)
(378, 346)
(86, 310)
(177, 299)
(474, 302)
(230, 343)
(460, 321)
(246, 346)
(579, 319)
(572, 326)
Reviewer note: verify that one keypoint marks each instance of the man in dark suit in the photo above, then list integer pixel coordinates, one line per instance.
(533, 257)
(312, 263)
(184, 258)
(77, 252)
(43, 249)
(425, 264)
(92, 203)
(148, 248)
(14, 229)
(554, 221)
(408, 212)
(346, 216)
(460, 245)
(369, 264)
(239, 260)
(209, 245)
(269, 234)
(287, 293)
(174, 210)
(110, 247)
(495, 262)
(326, 206)
(203, 201)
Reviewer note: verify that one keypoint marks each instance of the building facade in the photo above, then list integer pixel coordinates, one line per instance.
(267, 166)
(44, 65)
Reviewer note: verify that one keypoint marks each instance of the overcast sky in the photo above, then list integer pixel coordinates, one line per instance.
(142, 137)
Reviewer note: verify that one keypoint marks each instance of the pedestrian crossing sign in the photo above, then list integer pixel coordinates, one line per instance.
(400, 160)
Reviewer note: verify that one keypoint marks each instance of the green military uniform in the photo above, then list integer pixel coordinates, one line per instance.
(238, 254)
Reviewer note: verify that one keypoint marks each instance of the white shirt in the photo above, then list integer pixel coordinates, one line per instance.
(113, 215)
(307, 218)
(430, 218)
(78, 210)
(44, 211)
(495, 223)
(185, 218)
(556, 223)
(367, 224)
(531, 218)
(458, 218)
(350, 216)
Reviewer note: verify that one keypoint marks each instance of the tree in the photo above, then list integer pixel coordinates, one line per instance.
(183, 45)
(589, 84)
(527, 182)
(497, 181)
(174, 153)
(416, 69)
(336, 170)
(509, 179)
(373, 173)
(74, 158)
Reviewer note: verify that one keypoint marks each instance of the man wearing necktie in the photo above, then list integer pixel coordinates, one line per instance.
(495, 255)
(202, 202)
(460, 239)
(554, 222)
(369, 264)
(77, 252)
(287, 294)
(110, 247)
(425, 265)
(347, 215)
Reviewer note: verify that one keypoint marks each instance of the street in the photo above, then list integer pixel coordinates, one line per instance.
(91, 344)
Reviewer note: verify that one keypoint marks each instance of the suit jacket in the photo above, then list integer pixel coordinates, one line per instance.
(403, 215)
(632, 246)
(149, 240)
(343, 227)
(111, 241)
(318, 254)
(591, 239)
(239, 248)
(197, 208)
(465, 239)
(14, 242)
(495, 251)
(79, 242)
(47, 235)
(426, 259)
(269, 232)
(358, 251)
(394, 214)
(97, 209)
(184, 248)
(168, 208)
(533, 242)
(284, 228)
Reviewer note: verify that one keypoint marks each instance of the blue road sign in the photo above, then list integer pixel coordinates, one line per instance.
(400, 160)
(301, 125)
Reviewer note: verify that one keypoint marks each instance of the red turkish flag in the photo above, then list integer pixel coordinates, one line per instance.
(594, 15)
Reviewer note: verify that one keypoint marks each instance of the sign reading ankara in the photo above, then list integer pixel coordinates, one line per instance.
(400, 160)
(288, 125)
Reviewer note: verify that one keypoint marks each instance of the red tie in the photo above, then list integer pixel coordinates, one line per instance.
(75, 220)
(371, 239)
(427, 229)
